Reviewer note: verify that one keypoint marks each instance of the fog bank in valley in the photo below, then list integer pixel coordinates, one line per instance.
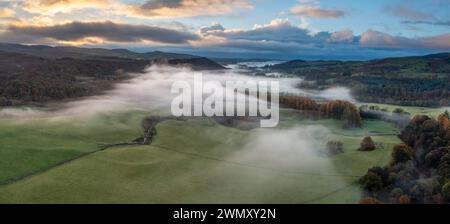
(266, 153)
(151, 91)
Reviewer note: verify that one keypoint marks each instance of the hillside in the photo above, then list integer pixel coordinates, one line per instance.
(435, 63)
(48, 52)
(413, 81)
(28, 79)
(36, 74)
(83, 53)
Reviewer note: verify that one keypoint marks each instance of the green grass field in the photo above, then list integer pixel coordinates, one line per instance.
(432, 112)
(30, 145)
(195, 161)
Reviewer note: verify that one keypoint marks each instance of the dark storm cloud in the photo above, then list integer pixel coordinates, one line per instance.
(106, 30)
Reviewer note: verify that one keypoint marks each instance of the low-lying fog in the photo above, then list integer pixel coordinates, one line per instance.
(280, 151)
(151, 91)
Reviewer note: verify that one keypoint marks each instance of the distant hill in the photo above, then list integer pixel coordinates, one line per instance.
(415, 81)
(109, 54)
(435, 63)
(26, 79)
(35, 74)
(86, 53)
(237, 60)
(197, 62)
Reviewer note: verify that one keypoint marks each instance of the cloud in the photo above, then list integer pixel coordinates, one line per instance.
(424, 22)
(157, 4)
(413, 16)
(55, 6)
(280, 38)
(278, 35)
(150, 8)
(214, 27)
(342, 36)
(376, 39)
(186, 8)
(6, 13)
(439, 42)
(406, 11)
(281, 30)
(109, 31)
(316, 12)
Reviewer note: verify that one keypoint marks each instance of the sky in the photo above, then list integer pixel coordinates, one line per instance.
(283, 29)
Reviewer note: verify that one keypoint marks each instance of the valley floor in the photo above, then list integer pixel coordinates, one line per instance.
(194, 161)
(432, 112)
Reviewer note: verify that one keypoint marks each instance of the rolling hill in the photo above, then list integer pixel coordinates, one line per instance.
(36, 74)
(408, 81)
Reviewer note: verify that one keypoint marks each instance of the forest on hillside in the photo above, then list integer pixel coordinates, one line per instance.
(39, 74)
(419, 171)
(409, 81)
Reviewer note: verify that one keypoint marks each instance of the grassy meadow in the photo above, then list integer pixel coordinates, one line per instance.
(32, 144)
(194, 161)
(432, 112)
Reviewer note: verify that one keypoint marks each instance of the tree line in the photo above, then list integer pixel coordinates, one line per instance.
(419, 170)
(337, 109)
(34, 79)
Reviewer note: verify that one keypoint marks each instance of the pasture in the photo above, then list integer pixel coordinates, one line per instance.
(194, 161)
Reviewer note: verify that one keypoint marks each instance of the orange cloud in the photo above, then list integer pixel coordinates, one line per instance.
(316, 12)
(186, 8)
(440, 41)
(55, 6)
(342, 36)
(149, 9)
(6, 13)
(376, 39)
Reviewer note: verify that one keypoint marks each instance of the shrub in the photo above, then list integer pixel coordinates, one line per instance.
(370, 201)
(396, 192)
(334, 147)
(444, 121)
(398, 111)
(401, 153)
(443, 103)
(367, 144)
(371, 182)
(404, 199)
(430, 125)
(444, 167)
(424, 188)
(446, 191)
(4, 101)
(433, 158)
